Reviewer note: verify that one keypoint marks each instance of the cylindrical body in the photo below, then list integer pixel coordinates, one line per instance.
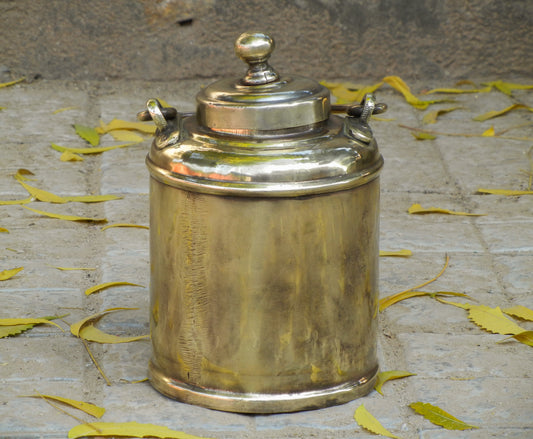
(264, 304)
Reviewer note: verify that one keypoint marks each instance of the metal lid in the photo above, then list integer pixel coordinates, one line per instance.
(262, 100)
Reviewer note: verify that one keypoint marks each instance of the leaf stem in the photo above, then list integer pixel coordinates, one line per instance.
(95, 362)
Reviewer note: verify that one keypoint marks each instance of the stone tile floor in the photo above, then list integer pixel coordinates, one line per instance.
(459, 367)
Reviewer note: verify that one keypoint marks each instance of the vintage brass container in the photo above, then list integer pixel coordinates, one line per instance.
(264, 213)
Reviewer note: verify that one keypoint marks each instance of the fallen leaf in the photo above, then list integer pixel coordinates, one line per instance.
(86, 407)
(525, 337)
(420, 135)
(87, 133)
(432, 116)
(493, 114)
(418, 209)
(506, 192)
(127, 429)
(8, 84)
(86, 330)
(27, 321)
(507, 87)
(398, 84)
(520, 311)
(391, 300)
(21, 175)
(60, 110)
(438, 416)
(95, 150)
(110, 226)
(458, 305)
(6, 331)
(72, 268)
(8, 274)
(14, 202)
(103, 286)
(493, 320)
(66, 217)
(458, 90)
(366, 420)
(489, 133)
(118, 124)
(42, 195)
(92, 198)
(3, 230)
(389, 375)
(126, 136)
(397, 253)
(68, 156)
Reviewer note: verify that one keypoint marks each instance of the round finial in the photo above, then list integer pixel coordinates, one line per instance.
(254, 48)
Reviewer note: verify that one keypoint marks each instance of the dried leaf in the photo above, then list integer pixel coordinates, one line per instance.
(8, 274)
(126, 136)
(8, 84)
(28, 321)
(389, 375)
(95, 150)
(398, 253)
(87, 133)
(525, 337)
(14, 202)
(6, 331)
(66, 217)
(438, 416)
(432, 116)
(118, 124)
(60, 110)
(420, 135)
(493, 320)
(418, 209)
(507, 192)
(72, 268)
(458, 305)
(489, 133)
(86, 407)
(110, 226)
(391, 300)
(520, 312)
(493, 114)
(21, 175)
(92, 198)
(398, 84)
(68, 156)
(86, 330)
(3, 230)
(127, 429)
(42, 195)
(366, 420)
(458, 90)
(507, 87)
(103, 286)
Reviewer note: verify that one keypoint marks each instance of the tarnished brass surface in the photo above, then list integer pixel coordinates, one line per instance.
(264, 305)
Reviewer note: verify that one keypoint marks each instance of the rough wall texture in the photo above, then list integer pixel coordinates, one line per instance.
(177, 39)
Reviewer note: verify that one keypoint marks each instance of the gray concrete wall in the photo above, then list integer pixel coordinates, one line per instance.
(179, 39)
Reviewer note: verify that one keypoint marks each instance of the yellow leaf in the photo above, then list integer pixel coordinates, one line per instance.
(459, 90)
(87, 133)
(24, 321)
(432, 116)
(366, 420)
(507, 192)
(68, 156)
(493, 114)
(126, 136)
(21, 174)
(66, 217)
(438, 416)
(72, 268)
(507, 87)
(13, 202)
(95, 150)
(418, 209)
(398, 253)
(525, 337)
(420, 135)
(60, 110)
(3, 230)
(42, 195)
(8, 330)
(493, 320)
(92, 198)
(458, 305)
(348, 93)
(383, 377)
(103, 286)
(7, 84)
(398, 84)
(127, 429)
(520, 311)
(110, 226)
(395, 298)
(489, 133)
(118, 124)
(8, 274)
(86, 407)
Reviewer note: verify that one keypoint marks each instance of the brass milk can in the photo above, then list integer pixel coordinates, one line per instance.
(264, 212)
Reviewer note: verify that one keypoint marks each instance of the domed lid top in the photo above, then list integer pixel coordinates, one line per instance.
(262, 100)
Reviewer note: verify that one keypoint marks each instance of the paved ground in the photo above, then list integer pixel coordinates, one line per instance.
(459, 367)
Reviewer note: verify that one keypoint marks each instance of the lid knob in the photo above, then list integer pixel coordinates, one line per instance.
(254, 48)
